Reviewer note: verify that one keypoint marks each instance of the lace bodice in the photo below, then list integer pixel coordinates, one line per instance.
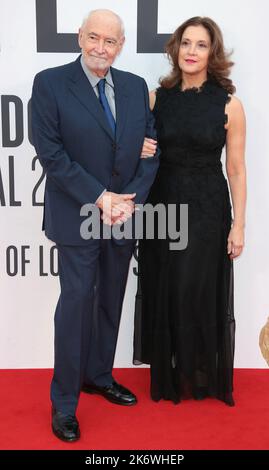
(191, 125)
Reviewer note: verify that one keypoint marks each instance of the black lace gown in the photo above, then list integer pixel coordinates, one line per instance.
(184, 321)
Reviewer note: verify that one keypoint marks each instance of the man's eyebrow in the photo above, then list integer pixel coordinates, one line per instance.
(112, 38)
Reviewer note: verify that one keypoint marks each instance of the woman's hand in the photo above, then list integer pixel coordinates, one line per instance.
(235, 241)
(149, 148)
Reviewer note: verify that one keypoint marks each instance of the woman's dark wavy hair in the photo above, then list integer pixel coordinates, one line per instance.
(219, 65)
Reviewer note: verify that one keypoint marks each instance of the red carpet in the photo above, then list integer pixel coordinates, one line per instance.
(210, 424)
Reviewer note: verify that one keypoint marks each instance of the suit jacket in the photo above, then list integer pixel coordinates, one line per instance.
(77, 149)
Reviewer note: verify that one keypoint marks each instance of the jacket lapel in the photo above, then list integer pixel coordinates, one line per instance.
(82, 90)
(121, 101)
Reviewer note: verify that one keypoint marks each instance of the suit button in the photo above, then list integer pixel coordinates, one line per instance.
(115, 173)
(114, 146)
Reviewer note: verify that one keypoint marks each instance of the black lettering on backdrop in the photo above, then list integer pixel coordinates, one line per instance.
(48, 40)
(6, 101)
(8, 187)
(24, 260)
(2, 193)
(12, 260)
(12, 200)
(148, 39)
(54, 270)
(14, 121)
(18, 257)
(53, 265)
(34, 198)
(42, 272)
(11, 185)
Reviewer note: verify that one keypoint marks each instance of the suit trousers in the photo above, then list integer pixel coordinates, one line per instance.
(93, 280)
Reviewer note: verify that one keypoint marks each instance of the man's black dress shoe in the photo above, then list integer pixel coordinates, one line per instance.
(64, 426)
(115, 393)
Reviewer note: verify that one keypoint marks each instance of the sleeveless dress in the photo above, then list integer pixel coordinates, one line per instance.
(184, 321)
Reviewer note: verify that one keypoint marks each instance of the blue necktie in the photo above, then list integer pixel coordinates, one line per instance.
(103, 100)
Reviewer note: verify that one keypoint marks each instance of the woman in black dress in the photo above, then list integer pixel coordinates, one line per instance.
(184, 321)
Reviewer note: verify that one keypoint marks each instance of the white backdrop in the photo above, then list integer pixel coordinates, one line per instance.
(29, 291)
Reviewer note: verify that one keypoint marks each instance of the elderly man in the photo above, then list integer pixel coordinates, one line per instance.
(89, 121)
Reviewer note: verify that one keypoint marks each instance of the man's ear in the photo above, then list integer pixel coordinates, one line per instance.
(122, 41)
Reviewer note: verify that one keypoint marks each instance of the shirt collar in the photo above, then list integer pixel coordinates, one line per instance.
(93, 79)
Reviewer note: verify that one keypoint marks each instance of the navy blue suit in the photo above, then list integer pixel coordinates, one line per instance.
(81, 157)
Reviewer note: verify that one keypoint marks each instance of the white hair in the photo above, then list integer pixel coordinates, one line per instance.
(105, 11)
